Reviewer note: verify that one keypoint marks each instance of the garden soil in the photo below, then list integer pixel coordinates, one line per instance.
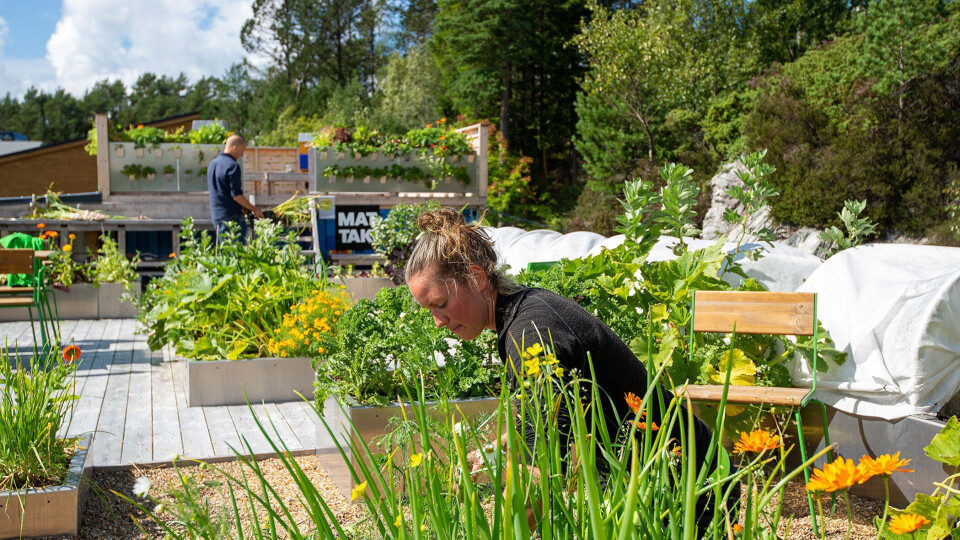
(108, 517)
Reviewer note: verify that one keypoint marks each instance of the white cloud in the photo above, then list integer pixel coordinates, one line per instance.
(120, 39)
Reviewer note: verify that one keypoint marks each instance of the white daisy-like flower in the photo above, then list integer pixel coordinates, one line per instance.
(141, 487)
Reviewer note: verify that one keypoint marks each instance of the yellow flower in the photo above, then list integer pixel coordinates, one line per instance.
(72, 236)
(907, 523)
(68, 248)
(399, 521)
(358, 491)
(535, 349)
(416, 459)
(836, 476)
(884, 465)
(756, 441)
(532, 367)
(558, 372)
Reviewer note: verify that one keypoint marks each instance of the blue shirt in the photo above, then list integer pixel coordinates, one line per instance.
(224, 182)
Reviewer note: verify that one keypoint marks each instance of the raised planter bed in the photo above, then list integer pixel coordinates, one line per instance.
(327, 157)
(83, 301)
(368, 423)
(52, 510)
(364, 287)
(188, 161)
(223, 382)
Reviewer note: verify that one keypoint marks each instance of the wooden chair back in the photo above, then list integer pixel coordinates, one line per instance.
(755, 312)
(16, 261)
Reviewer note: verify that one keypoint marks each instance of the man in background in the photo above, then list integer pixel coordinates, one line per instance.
(225, 184)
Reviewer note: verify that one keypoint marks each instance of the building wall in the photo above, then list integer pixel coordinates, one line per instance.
(66, 166)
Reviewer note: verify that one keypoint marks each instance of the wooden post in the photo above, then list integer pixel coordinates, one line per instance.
(482, 161)
(103, 156)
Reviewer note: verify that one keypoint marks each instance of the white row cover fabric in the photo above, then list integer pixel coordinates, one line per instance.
(895, 309)
(782, 268)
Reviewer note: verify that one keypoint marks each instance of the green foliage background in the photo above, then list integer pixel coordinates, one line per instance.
(855, 99)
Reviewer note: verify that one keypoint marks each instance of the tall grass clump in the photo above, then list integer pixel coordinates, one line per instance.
(457, 481)
(36, 400)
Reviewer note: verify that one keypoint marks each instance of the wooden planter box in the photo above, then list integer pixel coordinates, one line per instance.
(223, 382)
(327, 157)
(368, 423)
(363, 287)
(48, 511)
(83, 301)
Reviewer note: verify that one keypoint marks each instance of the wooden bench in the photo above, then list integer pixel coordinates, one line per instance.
(21, 261)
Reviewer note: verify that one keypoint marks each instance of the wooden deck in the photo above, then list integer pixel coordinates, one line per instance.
(133, 401)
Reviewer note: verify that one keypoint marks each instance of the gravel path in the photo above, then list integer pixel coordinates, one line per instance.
(108, 517)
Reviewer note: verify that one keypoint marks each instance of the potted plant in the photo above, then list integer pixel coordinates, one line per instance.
(383, 347)
(168, 172)
(225, 332)
(149, 172)
(42, 476)
(113, 277)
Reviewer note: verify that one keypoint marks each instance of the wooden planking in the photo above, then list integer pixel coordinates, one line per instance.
(16, 261)
(138, 428)
(12, 332)
(247, 430)
(108, 440)
(300, 417)
(194, 432)
(277, 426)
(94, 372)
(223, 433)
(754, 395)
(166, 422)
(750, 312)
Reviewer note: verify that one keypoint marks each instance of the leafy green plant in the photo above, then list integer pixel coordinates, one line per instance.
(144, 136)
(212, 133)
(857, 229)
(386, 343)
(36, 400)
(134, 171)
(393, 236)
(621, 287)
(169, 169)
(111, 266)
(753, 196)
(296, 209)
(941, 509)
(225, 301)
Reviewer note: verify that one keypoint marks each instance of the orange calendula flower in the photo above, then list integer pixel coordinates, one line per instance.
(172, 255)
(633, 401)
(737, 528)
(52, 234)
(72, 236)
(643, 426)
(836, 476)
(71, 353)
(41, 225)
(756, 441)
(906, 523)
(883, 465)
(677, 451)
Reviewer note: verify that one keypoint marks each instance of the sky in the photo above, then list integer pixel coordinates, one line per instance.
(72, 44)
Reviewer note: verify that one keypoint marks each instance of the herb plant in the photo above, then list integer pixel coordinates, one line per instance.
(393, 236)
(36, 400)
(389, 342)
(111, 266)
(857, 229)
